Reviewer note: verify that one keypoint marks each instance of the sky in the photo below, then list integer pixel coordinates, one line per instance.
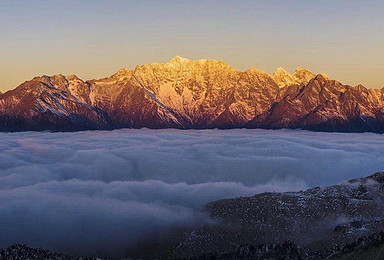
(94, 39)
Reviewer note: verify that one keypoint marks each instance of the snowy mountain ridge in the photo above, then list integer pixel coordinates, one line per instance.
(192, 94)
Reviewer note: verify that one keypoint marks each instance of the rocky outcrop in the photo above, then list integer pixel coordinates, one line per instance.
(284, 78)
(320, 222)
(192, 94)
(20, 251)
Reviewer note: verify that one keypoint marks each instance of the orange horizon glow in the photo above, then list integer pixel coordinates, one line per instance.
(94, 39)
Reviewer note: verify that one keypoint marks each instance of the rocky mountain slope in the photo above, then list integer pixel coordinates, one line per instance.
(319, 223)
(192, 94)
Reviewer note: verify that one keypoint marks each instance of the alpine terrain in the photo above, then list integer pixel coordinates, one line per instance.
(343, 221)
(192, 94)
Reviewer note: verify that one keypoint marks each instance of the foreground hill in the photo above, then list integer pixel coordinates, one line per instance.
(319, 223)
(192, 94)
(343, 221)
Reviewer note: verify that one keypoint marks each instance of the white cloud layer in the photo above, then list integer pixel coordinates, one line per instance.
(99, 192)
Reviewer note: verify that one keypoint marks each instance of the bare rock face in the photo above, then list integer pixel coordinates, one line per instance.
(192, 94)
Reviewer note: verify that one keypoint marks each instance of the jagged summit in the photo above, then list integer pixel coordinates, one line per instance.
(255, 70)
(57, 76)
(325, 76)
(179, 59)
(282, 77)
(281, 70)
(300, 76)
(303, 75)
(72, 77)
(122, 73)
(300, 69)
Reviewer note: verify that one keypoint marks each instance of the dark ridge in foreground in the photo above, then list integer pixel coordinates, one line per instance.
(20, 251)
(366, 247)
(314, 224)
(187, 94)
(24, 252)
(344, 221)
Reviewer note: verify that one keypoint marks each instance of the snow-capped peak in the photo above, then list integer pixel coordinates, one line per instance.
(178, 59)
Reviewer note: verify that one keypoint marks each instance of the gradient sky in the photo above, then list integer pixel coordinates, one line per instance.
(93, 39)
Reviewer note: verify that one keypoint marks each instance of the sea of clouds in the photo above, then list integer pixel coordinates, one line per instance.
(103, 192)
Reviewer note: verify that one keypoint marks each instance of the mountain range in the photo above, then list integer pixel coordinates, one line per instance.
(190, 94)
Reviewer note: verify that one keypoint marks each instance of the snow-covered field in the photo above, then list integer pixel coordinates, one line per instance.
(96, 192)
